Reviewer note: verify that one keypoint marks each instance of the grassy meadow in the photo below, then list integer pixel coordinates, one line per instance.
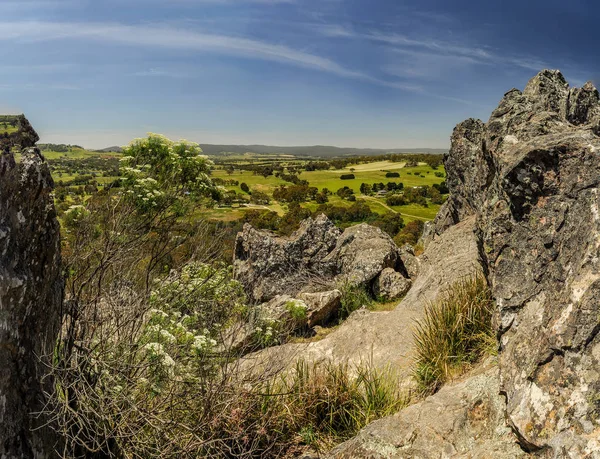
(369, 173)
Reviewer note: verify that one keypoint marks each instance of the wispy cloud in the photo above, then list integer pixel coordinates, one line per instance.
(158, 36)
(431, 50)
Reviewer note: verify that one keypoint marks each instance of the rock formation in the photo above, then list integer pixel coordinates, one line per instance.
(317, 256)
(463, 420)
(386, 338)
(531, 176)
(30, 298)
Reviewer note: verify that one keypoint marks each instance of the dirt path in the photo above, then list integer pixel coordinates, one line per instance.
(371, 198)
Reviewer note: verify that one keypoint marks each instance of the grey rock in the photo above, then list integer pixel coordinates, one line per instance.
(411, 263)
(315, 257)
(269, 265)
(539, 220)
(362, 252)
(31, 292)
(464, 420)
(322, 306)
(391, 285)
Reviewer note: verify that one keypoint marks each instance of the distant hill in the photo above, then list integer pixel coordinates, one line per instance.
(321, 151)
(316, 150)
(59, 147)
(114, 149)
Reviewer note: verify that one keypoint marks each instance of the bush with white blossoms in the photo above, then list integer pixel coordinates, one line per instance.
(206, 296)
(155, 170)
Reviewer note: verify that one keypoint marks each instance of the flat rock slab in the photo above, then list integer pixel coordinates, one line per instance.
(464, 420)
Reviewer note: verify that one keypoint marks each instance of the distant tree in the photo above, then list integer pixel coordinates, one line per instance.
(244, 187)
(365, 188)
(345, 193)
(230, 170)
(392, 174)
(321, 198)
(389, 222)
(347, 177)
(410, 233)
(258, 197)
(395, 200)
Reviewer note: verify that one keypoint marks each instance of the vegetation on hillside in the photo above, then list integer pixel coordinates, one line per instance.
(145, 366)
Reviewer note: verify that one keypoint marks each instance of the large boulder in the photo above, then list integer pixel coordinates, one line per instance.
(315, 258)
(321, 306)
(391, 285)
(538, 216)
(31, 291)
(268, 265)
(362, 252)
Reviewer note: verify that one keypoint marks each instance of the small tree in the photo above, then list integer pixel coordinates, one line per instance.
(245, 188)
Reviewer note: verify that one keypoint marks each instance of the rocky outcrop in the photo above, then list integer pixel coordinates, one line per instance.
(316, 257)
(30, 301)
(386, 338)
(531, 177)
(268, 265)
(21, 134)
(463, 420)
(391, 285)
(362, 252)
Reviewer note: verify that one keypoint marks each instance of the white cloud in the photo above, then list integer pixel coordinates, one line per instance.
(158, 36)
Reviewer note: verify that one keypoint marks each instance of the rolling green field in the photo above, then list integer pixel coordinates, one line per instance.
(102, 168)
(369, 173)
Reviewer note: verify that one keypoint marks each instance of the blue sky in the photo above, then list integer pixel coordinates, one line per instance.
(363, 73)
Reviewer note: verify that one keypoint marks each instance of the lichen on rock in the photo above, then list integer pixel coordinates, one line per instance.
(31, 291)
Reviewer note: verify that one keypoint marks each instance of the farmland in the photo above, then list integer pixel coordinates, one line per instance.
(369, 173)
(276, 192)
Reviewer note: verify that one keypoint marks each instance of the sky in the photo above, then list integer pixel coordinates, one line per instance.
(356, 73)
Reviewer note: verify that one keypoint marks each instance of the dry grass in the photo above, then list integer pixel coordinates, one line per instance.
(454, 333)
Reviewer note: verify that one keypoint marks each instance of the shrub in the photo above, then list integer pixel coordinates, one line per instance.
(392, 174)
(347, 177)
(410, 234)
(353, 298)
(244, 187)
(454, 333)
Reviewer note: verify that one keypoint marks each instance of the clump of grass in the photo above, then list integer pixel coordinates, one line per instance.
(330, 403)
(353, 298)
(315, 406)
(454, 333)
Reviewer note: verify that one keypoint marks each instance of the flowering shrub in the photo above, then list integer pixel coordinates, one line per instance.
(205, 296)
(156, 169)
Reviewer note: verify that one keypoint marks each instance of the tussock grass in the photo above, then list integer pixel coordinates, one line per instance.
(454, 333)
(353, 298)
(326, 404)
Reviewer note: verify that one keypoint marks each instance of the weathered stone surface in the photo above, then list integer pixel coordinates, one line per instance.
(539, 219)
(318, 255)
(464, 420)
(31, 292)
(410, 261)
(16, 132)
(386, 338)
(268, 265)
(322, 306)
(391, 285)
(362, 252)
